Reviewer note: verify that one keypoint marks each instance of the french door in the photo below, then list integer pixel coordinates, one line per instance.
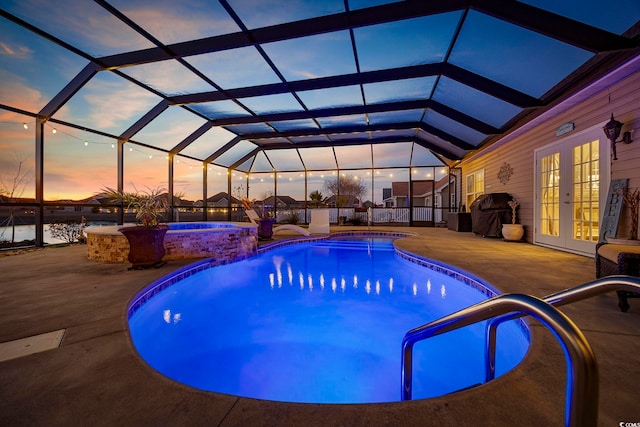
(571, 181)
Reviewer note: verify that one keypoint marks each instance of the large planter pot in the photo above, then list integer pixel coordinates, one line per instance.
(512, 232)
(146, 245)
(265, 228)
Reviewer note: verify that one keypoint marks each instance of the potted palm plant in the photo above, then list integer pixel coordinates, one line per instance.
(265, 230)
(513, 231)
(146, 239)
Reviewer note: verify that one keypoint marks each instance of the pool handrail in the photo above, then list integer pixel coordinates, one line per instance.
(582, 369)
(558, 299)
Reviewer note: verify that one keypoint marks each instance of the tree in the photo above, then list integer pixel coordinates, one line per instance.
(69, 230)
(347, 187)
(316, 198)
(12, 186)
(239, 192)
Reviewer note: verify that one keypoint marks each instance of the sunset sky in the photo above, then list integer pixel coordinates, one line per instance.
(78, 163)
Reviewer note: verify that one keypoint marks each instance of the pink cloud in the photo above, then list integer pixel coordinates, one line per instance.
(15, 92)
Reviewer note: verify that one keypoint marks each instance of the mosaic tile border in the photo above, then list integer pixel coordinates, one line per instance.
(459, 275)
(280, 243)
(462, 276)
(163, 283)
(157, 286)
(277, 244)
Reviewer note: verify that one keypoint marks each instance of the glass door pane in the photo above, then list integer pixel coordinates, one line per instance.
(550, 195)
(586, 191)
(570, 176)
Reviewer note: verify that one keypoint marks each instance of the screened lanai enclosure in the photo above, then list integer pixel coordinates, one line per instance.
(278, 100)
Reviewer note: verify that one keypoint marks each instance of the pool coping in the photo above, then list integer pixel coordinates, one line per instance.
(114, 230)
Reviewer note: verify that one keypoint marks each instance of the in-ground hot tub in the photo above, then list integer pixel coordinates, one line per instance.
(222, 241)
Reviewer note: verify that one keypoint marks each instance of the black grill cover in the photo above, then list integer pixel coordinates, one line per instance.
(489, 212)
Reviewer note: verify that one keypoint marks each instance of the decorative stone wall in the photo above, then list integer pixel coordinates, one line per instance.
(107, 247)
(223, 245)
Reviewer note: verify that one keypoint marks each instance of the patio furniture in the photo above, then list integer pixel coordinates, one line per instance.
(319, 221)
(614, 259)
(489, 212)
(291, 227)
(254, 218)
(459, 221)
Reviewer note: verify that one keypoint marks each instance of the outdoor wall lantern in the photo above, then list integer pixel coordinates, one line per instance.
(612, 130)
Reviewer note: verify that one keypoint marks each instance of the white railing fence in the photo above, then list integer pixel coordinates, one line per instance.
(422, 214)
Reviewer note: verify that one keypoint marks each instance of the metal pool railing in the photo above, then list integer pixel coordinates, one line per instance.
(581, 406)
(582, 376)
(567, 296)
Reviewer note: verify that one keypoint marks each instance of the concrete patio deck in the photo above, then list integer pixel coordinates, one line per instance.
(96, 378)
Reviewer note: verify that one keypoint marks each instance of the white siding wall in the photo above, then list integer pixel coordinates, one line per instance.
(622, 99)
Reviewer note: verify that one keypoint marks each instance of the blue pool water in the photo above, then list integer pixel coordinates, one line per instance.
(316, 322)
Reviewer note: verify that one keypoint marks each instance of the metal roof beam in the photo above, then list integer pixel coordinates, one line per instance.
(69, 90)
(362, 109)
(256, 137)
(382, 140)
(189, 139)
(555, 26)
(461, 75)
(447, 137)
(437, 149)
(490, 87)
(45, 35)
(245, 158)
(331, 131)
(390, 74)
(463, 118)
(451, 113)
(306, 27)
(223, 149)
(324, 112)
(541, 21)
(144, 120)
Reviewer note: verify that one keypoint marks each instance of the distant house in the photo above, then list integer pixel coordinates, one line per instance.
(184, 204)
(426, 193)
(342, 201)
(386, 195)
(6, 211)
(281, 202)
(90, 204)
(7, 199)
(398, 197)
(219, 200)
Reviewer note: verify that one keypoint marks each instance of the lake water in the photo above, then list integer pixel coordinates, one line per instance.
(28, 232)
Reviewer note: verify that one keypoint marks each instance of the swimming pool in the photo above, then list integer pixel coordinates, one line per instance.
(318, 322)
